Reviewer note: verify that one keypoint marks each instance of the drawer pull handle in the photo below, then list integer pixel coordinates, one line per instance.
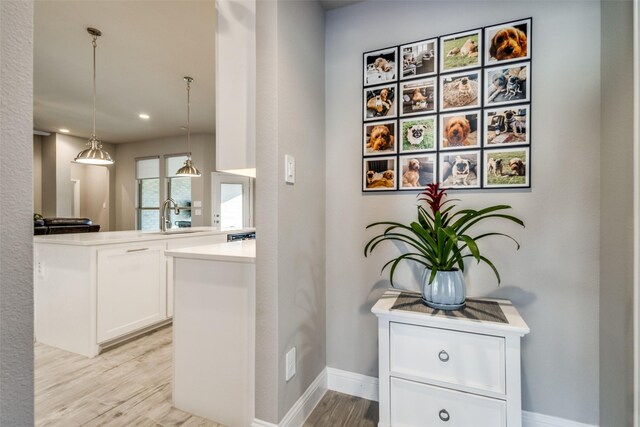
(443, 356)
(444, 415)
(137, 250)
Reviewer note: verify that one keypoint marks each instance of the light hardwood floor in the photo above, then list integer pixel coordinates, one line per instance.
(130, 385)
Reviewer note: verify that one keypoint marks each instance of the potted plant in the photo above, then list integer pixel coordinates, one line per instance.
(440, 240)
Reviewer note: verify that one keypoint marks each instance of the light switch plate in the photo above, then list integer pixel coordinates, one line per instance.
(289, 169)
(197, 203)
(290, 362)
(198, 212)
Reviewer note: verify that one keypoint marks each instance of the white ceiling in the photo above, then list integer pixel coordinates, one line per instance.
(146, 48)
(334, 4)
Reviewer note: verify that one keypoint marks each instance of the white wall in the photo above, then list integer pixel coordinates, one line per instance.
(16, 210)
(37, 174)
(616, 227)
(554, 278)
(203, 155)
(290, 219)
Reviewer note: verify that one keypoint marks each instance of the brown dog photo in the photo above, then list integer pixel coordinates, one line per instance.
(506, 167)
(507, 125)
(380, 138)
(461, 50)
(379, 174)
(417, 171)
(459, 130)
(508, 42)
(418, 97)
(461, 90)
(379, 102)
(380, 66)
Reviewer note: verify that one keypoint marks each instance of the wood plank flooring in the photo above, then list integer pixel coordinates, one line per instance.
(130, 385)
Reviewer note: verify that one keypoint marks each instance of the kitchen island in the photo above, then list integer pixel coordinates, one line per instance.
(93, 290)
(214, 331)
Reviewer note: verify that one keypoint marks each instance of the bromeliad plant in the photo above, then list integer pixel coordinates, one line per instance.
(441, 236)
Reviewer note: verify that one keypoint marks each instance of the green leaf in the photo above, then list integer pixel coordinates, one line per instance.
(473, 247)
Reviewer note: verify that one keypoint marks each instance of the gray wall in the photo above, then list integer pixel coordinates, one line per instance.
(203, 155)
(554, 278)
(94, 192)
(616, 227)
(37, 174)
(290, 218)
(16, 225)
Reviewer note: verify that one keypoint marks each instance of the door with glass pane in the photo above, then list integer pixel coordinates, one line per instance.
(231, 205)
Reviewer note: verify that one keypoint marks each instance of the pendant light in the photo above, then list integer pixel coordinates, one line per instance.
(188, 169)
(94, 154)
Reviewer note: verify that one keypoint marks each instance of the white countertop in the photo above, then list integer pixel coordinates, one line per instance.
(239, 251)
(112, 237)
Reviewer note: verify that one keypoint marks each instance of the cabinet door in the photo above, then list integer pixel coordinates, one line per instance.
(186, 242)
(131, 289)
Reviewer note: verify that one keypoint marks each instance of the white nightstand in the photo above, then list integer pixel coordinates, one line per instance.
(450, 370)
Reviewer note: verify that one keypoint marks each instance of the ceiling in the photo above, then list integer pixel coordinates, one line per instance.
(146, 49)
(334, 4)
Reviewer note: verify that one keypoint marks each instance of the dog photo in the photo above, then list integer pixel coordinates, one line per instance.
(459, 91)
(460, 130)
(507, 85)
(379, 102)
(418, 97)
(506, 168)
(507, 125)
(461, 50)
(380, 138)
(460, 170)
(419, 59)
(418, 134)
(379, 174)
(380, 66)
(416, 172)
(508, 42)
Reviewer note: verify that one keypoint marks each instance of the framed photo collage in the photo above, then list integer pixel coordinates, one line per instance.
(454, 109)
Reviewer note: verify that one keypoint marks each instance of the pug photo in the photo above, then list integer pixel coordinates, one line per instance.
(460, 91)
(379, 174)
(506, 168)
(507, 85)
(506, 125)
(418, 134)
(460, 170)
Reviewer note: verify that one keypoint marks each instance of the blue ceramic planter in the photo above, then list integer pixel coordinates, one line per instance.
(446, 292)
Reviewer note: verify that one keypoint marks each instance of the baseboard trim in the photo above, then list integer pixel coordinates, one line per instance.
(533, 419)
(300, 411)
(353, 384)
(366, 387)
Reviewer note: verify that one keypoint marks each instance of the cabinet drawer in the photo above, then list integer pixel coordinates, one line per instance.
(414, 404)
(458, 358)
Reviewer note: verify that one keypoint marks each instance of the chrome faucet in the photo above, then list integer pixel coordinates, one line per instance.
(164, 219)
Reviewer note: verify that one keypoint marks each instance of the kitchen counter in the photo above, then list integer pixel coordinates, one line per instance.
(112, 237)
(241, 251)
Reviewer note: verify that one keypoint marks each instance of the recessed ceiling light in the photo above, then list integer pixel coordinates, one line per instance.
(65, 130)
(144, 116)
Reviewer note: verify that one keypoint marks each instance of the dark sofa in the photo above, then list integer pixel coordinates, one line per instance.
(63, 226)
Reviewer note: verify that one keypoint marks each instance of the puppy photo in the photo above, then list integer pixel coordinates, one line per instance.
(508, 42)
(460, 170)
(417, 171)
(506, 168)
(507, 85)
(418, 96)
(459, 130)
(380, 138)
(380, 66)
(419, 59)
(379, 174)
(461, 50)
(379, 102)
(506, 125)
(418, 134)
(460, 90)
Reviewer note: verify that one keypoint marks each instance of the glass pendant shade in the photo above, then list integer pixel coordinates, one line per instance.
(94, 154)
(188, 169)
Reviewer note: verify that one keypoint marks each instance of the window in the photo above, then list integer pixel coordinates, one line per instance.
(148, 193)
(179, 189)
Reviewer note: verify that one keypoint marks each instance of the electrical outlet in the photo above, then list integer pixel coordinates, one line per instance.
(40, 269)
(289, 169)
(290, 362)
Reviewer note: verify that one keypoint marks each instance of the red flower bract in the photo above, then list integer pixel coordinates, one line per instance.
(433, 196)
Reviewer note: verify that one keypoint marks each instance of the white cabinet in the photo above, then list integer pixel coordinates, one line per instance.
(185, 243)
(440, 369)
(131, 291)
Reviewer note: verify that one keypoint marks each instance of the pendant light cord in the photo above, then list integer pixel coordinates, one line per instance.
(95, 37)
(189, 116)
